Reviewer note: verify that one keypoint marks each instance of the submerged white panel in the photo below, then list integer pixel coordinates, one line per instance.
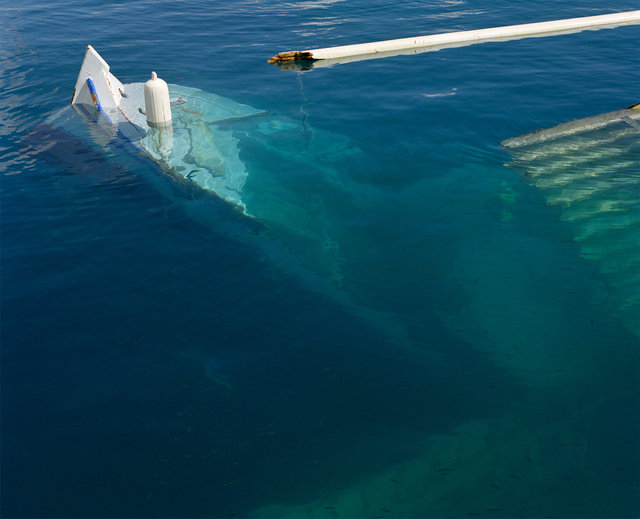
(588, 171)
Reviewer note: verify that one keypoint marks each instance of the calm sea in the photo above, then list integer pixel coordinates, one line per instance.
(445, 344)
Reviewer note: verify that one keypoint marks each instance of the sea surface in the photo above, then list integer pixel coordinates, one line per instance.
(428, 331)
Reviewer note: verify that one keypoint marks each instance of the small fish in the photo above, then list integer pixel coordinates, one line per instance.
(385, 510)
(442, 94)
(495, 486)
(213, 370)
(394, 480)
(513, 476)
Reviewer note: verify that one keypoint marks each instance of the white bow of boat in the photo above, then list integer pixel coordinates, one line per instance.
(185, 141)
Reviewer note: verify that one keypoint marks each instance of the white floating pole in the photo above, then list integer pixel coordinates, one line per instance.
(455, 39)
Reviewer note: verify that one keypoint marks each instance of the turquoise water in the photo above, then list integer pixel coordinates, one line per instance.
(419, 331)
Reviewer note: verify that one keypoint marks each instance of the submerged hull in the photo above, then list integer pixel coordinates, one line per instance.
(267, 169)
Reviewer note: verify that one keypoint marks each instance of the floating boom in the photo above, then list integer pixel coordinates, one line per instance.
(455, 39)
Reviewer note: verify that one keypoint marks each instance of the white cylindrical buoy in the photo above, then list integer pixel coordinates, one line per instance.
(156, 101)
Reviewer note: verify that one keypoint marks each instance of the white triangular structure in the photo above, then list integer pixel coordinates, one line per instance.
(108, 89)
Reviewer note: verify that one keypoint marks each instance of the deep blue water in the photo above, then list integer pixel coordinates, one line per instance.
(461, 357)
